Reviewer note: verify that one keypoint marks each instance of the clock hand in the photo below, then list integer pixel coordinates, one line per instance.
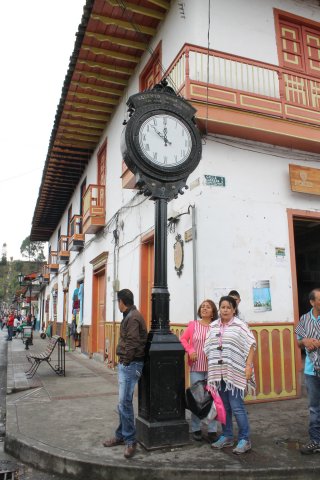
(157, 131)
(162, 135)
(166, 141)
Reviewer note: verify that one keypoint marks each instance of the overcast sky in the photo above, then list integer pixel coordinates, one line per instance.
(36, 41)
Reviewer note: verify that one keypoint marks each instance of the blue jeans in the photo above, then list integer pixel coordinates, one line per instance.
(195, 421)
(313, 389)
(234, 404)
(128, 377)
(10, 332)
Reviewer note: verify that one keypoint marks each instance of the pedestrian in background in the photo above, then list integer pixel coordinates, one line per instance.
(4, 321)
(131, 352)
(308, 335)
(230, 348)
(236, 295)
(16, 324)
(193, 340)
(10, 324)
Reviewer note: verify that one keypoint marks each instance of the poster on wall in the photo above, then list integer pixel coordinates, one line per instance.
(261, 296)
(280, 256)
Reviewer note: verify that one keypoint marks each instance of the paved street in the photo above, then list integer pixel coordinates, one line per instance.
(59, 424)
(8, 462)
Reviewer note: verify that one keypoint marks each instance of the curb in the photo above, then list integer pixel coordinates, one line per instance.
(82, 469)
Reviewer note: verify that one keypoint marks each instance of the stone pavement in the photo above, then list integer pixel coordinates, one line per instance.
(58, 424)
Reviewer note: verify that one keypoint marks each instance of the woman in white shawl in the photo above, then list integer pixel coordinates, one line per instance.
(229, 348)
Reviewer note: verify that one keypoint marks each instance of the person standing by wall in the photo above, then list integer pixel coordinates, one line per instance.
(308, 335)
(131, 352)
(193, 339)
(230, 348)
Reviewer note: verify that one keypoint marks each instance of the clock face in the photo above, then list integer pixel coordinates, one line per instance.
(165, 140)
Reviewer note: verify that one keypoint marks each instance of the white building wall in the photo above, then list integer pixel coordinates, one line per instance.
(239, 225)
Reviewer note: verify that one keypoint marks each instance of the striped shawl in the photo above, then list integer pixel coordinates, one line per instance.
(236, 342)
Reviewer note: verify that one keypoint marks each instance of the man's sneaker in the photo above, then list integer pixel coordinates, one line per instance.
(113, 442)
(311, 447)
(242, 447)
(223, 442)
(130, 450)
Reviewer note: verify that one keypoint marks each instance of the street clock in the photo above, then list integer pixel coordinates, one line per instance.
(161, 143)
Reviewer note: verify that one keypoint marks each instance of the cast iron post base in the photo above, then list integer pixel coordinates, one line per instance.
(161, 417)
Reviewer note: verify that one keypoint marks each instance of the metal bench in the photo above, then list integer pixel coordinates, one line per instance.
(37, 358)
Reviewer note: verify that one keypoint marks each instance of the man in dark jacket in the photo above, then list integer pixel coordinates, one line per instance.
(131, 351)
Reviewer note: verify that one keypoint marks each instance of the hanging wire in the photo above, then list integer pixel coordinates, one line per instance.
(208, 70)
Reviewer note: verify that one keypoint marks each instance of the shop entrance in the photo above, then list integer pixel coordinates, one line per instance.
(306, 233)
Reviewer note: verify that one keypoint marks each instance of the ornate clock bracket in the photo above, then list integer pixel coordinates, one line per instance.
(156, 189)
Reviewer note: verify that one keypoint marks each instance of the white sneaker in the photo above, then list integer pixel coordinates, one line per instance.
(223, 442)
(242, 447)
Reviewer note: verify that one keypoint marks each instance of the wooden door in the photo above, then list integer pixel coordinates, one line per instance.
(99, 312)
(147, 277)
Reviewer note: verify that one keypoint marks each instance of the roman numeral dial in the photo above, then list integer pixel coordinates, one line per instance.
(165, 140)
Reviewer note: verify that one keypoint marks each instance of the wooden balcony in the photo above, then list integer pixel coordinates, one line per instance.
(53, 262)
(76, 237)
(128, 178)
(46, 273)
(63, 252)
(245, 98)
(93, 209)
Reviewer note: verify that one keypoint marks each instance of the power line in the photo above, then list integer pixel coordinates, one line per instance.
(19, 176)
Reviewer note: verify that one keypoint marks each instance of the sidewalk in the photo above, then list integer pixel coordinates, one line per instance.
(59, 423)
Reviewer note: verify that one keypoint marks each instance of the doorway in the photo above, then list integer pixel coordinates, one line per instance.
(306, 230)
(99, 313)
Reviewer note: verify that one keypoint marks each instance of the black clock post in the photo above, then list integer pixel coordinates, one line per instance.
(162, 146)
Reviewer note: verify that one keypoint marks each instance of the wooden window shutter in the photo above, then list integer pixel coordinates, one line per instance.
(312, 43)
(291, 46)
(152, 74)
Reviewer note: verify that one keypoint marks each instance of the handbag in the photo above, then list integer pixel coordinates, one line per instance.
(198, 399)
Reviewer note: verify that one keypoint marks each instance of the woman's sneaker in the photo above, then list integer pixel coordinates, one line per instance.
(223, 442)
(311, 447)
(242, 447)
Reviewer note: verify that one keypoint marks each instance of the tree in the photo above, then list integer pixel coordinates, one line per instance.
(4, 255)
(32, 250)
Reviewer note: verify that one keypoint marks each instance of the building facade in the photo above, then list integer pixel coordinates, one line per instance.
(250, 219)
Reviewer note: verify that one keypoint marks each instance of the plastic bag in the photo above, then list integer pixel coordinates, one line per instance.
(198, 399)
(212, 413)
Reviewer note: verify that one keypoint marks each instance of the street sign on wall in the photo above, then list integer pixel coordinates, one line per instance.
(215, 181)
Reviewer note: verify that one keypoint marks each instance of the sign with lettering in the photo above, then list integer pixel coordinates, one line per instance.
(304, 179)
(215, 181)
